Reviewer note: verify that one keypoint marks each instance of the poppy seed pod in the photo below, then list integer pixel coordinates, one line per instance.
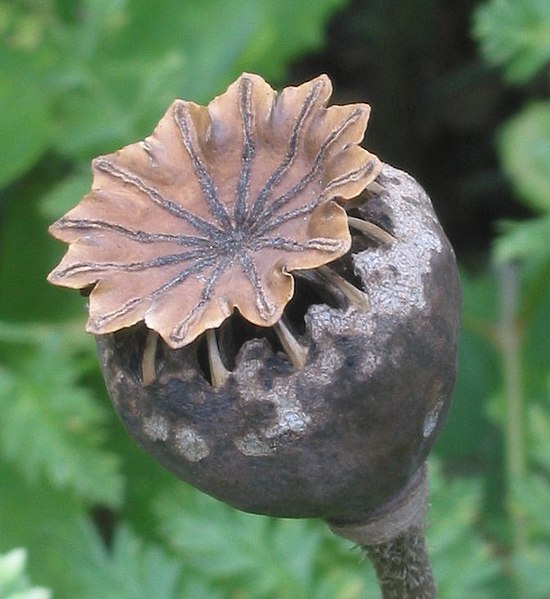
(276, 311)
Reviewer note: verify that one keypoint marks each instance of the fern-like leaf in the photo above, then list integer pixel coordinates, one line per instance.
(515, 35)
(52, 427)
(130, 568)
(261, 557)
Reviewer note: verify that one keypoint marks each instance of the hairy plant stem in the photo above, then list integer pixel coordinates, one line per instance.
(394, 540)
(403, 567)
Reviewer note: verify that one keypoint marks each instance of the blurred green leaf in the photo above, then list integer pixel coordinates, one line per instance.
(524, 143)
(515, 34)
(130, 569)
(58, 423)
(341, 581)
(14, 583)
(467, 432)
(532, 497)
(115, 91)
(538, 418)
(27, 254)
(70, 555)
(531, 567)
(66, 194)
(464, 563)
(523, 240)
(534, 317)
(42, 519)
(25, 121)
(287, 29)
(256, 553)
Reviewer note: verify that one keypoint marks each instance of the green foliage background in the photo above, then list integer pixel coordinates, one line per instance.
(86, 514)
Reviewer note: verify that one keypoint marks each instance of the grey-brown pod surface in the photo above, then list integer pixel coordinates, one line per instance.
(341, 436)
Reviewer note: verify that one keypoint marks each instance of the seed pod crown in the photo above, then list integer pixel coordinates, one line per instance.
(215, 209)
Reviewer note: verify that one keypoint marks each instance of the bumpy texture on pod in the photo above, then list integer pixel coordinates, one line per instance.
(343, 435)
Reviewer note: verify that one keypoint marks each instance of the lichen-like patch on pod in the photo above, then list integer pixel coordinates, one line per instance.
(215, 209)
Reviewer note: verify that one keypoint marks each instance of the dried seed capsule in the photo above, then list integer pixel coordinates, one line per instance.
(328, 413)
(343, 435)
